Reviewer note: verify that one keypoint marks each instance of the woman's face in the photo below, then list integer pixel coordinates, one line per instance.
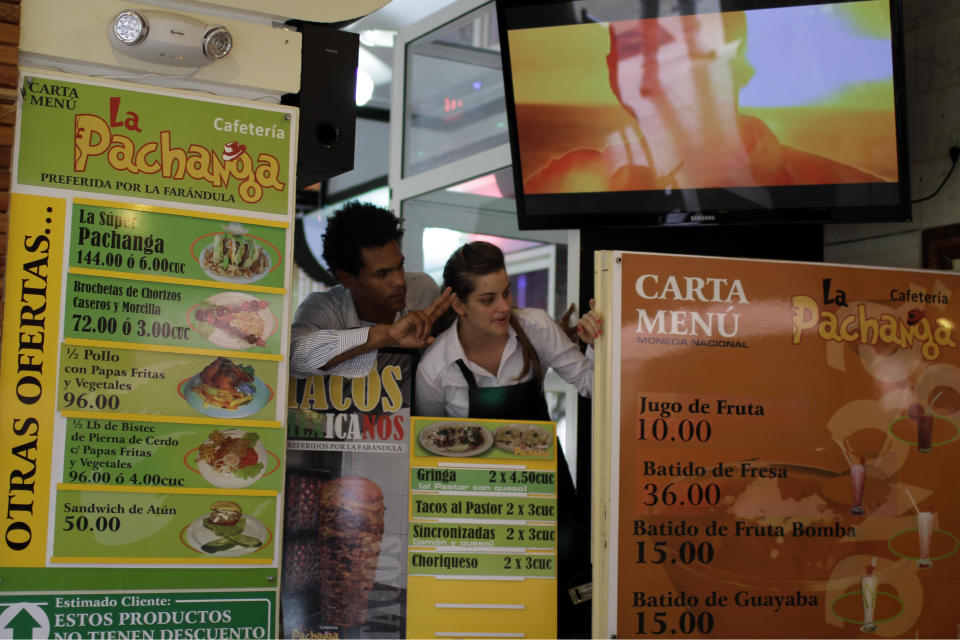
(487, 309)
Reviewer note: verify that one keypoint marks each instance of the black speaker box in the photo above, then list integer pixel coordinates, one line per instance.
(328, 112)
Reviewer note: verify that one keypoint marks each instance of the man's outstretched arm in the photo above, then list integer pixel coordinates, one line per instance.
(352, 352)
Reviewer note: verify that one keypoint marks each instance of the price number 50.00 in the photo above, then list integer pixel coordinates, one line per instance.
(83, 523)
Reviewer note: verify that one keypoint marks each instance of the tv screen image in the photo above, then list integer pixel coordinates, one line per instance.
(775, 113)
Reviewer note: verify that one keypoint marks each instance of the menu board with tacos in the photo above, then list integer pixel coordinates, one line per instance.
(483, 529)
(345, 524)
(144, 350)
(782, 451)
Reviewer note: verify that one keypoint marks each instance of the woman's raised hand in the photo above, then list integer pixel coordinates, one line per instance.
(590, 325)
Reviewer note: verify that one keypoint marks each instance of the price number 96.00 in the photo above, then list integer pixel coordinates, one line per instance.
(90, 401)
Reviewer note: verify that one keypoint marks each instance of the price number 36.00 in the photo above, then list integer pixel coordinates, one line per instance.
(696, 495)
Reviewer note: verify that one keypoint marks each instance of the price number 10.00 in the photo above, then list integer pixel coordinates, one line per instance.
(686, 430)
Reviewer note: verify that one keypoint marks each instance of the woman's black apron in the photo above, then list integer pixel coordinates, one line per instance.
(526, 401)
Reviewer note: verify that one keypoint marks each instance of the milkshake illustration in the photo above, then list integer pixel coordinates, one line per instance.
(923, 416)
(924, 432)
(924, 532)
(868, 593)
(858, 473)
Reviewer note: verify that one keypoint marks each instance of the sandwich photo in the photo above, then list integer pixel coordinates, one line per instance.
(226, 530)
(226, 518)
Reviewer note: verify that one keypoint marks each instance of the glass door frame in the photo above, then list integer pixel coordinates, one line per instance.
(403, 189)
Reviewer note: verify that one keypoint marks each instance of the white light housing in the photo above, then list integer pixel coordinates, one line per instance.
(130, 27)
(217, 42)
(162, 37)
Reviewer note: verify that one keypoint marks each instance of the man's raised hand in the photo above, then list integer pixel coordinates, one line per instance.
(413, 330)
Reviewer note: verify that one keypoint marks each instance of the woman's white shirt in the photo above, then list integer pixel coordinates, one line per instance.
(442, 390)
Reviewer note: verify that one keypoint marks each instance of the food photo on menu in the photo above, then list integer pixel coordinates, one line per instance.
(226, 531)
(232, 458)
(467, 439)
(233, 255)
(332, 553)
(350, 516)
(344, 545)
(233, 320)
(224, 389)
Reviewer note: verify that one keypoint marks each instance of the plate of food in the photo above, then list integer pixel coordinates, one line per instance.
(456, 439)
(226, 390)
(511, 437)
(226, 531)
(233, 320)
(235, 256)
(232, 458)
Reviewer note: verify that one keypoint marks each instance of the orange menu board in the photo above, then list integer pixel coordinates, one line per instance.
(782, 450)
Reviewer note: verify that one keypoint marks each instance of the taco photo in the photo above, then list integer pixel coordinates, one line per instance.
(235, 256)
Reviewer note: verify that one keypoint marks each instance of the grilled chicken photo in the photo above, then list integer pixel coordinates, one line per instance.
(223, 374)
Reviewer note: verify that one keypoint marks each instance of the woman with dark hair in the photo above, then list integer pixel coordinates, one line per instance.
(489, 363)
(491, 359)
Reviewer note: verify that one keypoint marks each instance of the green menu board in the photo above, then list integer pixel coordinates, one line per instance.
(141, 371)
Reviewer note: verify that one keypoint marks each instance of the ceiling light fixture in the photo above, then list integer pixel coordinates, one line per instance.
(129, 27)
(168, 38)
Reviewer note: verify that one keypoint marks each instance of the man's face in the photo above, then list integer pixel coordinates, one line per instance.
(379, 287)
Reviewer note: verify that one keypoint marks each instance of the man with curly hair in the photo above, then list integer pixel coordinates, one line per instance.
(377, 304)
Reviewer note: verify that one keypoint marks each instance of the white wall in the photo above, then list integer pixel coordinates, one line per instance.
(932, 58)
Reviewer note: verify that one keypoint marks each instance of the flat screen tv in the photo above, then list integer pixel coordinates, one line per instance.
(639, 112)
